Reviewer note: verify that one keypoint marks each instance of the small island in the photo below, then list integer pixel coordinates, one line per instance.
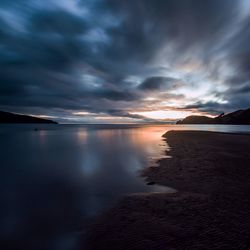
(6, 117)
(239, 117)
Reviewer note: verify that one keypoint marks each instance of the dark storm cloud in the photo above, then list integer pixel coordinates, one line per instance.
(115, 95)
(239, 54)
(58, 21)
(213, 108)
(55, 39)
(158, 83)
(147, 25)
(100, 55)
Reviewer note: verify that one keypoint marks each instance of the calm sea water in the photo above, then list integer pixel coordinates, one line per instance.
(56, 177)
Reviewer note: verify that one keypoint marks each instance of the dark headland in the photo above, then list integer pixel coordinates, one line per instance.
(6, 117)
(211, 172)
(239, 117)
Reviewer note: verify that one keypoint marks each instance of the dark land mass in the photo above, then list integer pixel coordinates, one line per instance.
(211, 172)
(239, 117)
(6, 117)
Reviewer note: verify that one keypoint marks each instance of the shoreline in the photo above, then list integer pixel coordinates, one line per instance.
(199, 160)
(211, 172)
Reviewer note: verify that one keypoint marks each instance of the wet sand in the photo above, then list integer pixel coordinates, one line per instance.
(211, 209)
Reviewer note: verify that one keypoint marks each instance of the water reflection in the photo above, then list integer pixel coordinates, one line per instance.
(55, 178)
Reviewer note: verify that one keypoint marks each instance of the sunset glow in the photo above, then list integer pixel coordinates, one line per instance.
(163, 114)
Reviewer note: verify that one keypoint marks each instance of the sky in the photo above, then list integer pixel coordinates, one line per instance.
(133, 61)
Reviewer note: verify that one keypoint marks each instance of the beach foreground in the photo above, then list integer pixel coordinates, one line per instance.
(211, 172)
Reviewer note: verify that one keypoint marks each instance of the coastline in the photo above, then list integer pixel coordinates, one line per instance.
(211, 172)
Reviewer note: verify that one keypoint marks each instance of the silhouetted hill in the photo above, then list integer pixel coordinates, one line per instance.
(6, 117)
(240, 117)
(195, 119)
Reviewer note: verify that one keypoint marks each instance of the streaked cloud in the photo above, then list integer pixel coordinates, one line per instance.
(87, 61)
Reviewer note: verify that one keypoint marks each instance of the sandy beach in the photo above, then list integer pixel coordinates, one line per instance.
(211, 209)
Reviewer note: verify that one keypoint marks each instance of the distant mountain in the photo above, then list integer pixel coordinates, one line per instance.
(240, 117)
(6, 117)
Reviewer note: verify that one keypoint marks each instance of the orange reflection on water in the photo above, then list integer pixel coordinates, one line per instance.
(42, 134)
(82, 135)
(107, 133)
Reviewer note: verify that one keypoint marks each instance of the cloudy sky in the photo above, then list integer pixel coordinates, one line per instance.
(110, 61)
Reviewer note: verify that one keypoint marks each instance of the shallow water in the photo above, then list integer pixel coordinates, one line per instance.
(55, 177)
